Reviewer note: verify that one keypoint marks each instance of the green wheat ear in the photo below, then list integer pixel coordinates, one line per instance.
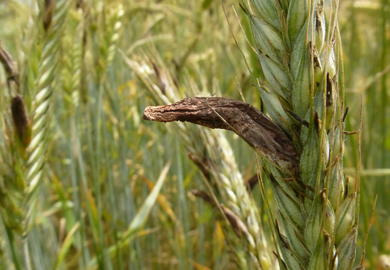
(297, 43)
(53, 14)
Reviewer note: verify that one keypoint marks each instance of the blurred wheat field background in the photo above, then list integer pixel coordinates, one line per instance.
(98, 187)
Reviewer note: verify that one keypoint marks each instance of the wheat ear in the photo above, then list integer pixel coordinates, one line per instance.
(298, 47)
(223, 171)
(300, 140)
(54, 14)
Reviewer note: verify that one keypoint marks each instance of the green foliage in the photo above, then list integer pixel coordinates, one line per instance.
(99, 201)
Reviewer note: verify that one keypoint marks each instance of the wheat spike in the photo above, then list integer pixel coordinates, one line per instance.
(54, 14)
(297, 43)
(223, 171)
